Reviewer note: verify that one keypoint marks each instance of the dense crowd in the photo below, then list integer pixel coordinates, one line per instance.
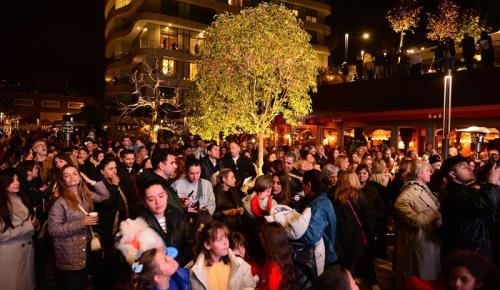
(104, 214)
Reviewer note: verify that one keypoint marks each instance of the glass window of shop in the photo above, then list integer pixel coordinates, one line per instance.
(168, 38)
(168, 67)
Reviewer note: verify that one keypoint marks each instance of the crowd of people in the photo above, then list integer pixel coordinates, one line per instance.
(104, 214)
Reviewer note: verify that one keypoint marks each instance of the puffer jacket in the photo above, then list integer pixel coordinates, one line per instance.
(69, 234)
(240, 278)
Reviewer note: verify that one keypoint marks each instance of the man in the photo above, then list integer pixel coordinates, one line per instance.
(164, 167)
(40, 156)
(468, 50)
(197, 193)
(493, 154)
(128, 179)
(242, 166)
(295, 175)
(212, 163)
(200, 151)
(468, 209)
(127, 143)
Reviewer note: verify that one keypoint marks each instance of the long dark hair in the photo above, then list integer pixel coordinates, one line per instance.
(6, 178)
(284, 196)
(317, 180)
(277, 249)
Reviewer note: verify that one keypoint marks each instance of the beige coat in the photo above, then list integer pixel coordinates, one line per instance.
(17, 262)
(417, 247)
(241, 275)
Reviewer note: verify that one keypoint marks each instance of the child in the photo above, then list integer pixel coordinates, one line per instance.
(217, 268)
(153, 265)
(259, 203)
(238, 244)
(155, 270)
(278, 271)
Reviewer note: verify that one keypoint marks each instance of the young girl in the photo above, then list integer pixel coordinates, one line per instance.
(278, 271)
(216, 267)
(155, 270)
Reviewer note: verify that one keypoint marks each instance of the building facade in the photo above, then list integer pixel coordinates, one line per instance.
(172, 31)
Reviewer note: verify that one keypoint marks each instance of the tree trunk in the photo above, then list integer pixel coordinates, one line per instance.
(400, 45)
(260, 161)
(153, 133)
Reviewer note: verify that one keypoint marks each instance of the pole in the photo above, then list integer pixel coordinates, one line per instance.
(447, 113)
(346, 46)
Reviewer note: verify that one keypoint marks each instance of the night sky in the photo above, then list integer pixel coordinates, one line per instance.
(59, 45)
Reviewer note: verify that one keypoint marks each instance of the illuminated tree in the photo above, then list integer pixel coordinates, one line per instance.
(446, 22)
(404, 16)
(254, 66)
(472, 24)
(150, 88)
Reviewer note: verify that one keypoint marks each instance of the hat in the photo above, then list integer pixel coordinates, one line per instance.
(450, 163)
(434, 158)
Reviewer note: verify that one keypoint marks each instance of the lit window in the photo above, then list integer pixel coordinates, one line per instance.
(50, 104)
(295, 12)
(121, 3)
(168, 67)
(193, 70)
(311, 19)
(75, 105)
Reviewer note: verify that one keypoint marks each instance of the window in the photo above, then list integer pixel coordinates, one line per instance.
(50, 104)
(23, 102)
(121, 3)
(311, 19)
(168, 67)
(192, 71)
(75, 105)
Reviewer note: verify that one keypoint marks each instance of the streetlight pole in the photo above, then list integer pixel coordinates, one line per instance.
(447, 113)
(346, 46)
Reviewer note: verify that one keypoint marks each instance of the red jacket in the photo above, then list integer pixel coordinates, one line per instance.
(271, 276)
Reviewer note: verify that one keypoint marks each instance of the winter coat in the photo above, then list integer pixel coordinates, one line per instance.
(417, 245)
(242, 169)
(173, 199)
(208, 168)
(178, 281)
(225, 200)
(323, 224)
(17, 259)
(468, 217)
(240, 278)
(295, 226)
(179, 232)
(70, 236)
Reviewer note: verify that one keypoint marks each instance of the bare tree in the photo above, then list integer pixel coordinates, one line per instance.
(149, 84)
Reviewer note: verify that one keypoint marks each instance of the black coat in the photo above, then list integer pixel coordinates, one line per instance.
(228, 200)
(242, 169)
(108, 211)
(468, 217)
(207, 167)
(130, 187)
(179, 232)
(173, 199)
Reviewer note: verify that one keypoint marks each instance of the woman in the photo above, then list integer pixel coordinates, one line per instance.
(342, 162)
(59, 161)
(97, 157)
(281, 189)
(85, 165)
(172, 226)
(31, 186)
(17, 226)
(376, 212)
(418, 216)
(69, 224)
(229, 207)
(323, 222)
(350, 208)
(111, 212)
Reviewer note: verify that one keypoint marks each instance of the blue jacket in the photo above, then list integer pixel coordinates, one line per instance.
(323, 224)
(178, 281)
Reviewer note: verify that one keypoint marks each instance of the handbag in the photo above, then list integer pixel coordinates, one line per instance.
(95, 243)
(360, 226)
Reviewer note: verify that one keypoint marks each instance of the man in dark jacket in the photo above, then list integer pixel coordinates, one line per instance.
(172, 225)
(242, 166)
(128, 179)
(211, 163)
(468, 209)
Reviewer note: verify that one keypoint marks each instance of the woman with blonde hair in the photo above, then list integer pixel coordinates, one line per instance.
(418, 215)
(69, 223)
(342, 162)
(228, 204)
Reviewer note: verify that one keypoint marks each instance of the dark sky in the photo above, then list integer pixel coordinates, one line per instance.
(53, 44)
(57, 45)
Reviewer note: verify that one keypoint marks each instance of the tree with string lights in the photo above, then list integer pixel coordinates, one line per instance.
(403, 17)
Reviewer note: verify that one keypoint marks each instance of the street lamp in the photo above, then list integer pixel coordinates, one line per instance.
(346, 46)
(366, 35)
(362, 55)
(447, 112)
